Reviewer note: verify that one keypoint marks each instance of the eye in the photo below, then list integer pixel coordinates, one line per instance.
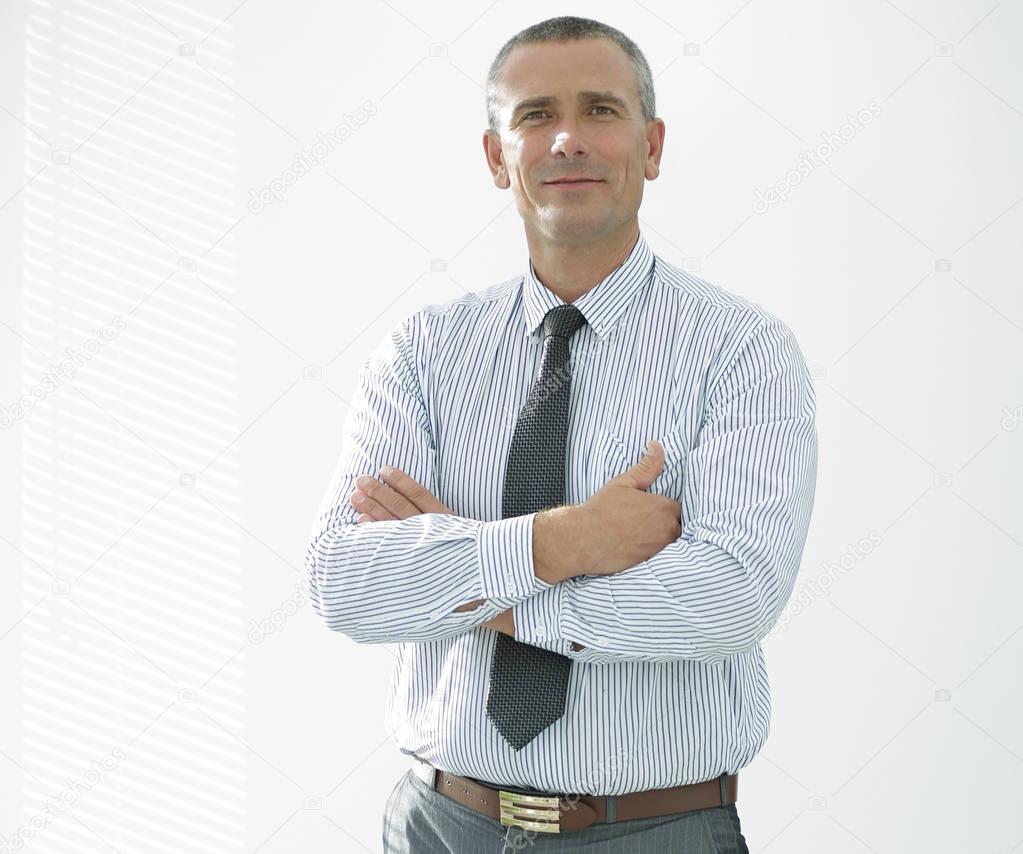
(595, 107)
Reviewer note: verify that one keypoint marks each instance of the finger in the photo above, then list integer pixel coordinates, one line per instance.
(364, 517)
(370, 506)
(645, 472)
(393, 502)
(412, 490)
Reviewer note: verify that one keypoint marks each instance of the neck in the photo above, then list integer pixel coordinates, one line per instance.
(570, 270)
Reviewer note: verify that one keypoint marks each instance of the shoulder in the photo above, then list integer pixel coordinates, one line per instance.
(725, 322)
(708, 298)
(469, 307)
(413, 336)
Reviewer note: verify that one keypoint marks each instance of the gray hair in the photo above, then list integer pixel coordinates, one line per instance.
(566, 28)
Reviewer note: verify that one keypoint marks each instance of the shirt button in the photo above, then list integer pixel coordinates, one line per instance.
(435, 615)
(602, 641)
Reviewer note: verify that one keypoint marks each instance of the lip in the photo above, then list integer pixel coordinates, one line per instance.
(573, 183)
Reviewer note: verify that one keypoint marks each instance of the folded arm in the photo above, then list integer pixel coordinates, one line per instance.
(722, 585)
(401, 580)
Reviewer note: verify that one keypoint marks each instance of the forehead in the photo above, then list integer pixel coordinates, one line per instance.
(563, 68)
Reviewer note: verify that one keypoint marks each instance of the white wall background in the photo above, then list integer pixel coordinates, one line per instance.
(157, 494)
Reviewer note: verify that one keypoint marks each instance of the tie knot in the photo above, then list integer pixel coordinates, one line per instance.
(563, 321)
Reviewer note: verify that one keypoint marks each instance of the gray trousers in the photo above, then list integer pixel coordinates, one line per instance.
(419, 820)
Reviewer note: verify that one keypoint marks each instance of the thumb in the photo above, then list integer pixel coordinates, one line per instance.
(645, 472)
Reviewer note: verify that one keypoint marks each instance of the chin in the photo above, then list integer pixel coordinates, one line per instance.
(575, 217)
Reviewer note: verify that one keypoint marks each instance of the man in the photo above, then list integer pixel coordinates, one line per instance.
(578, 620)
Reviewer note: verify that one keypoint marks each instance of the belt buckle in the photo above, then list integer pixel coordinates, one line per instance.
(531, 812)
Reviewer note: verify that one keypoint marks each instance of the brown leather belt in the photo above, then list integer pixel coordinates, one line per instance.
(552, 813)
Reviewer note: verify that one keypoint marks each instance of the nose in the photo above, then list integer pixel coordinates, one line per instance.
(568, 142)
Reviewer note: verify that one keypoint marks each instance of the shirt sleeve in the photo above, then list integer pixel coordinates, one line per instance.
(720, 587)
(400, 580)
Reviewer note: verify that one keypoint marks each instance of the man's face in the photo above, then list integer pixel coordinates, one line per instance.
(573, 135)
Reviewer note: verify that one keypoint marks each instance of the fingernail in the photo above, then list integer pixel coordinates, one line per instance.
(386, 470)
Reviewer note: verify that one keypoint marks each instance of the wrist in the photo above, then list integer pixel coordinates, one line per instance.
(559, 543)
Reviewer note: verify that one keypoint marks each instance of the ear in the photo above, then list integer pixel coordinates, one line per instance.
(495, 159)
(655, 148)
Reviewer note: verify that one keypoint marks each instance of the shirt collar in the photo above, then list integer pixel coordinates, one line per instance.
(602, 304)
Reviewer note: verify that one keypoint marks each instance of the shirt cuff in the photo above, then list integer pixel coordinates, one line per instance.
(538, 618)
(505, 551)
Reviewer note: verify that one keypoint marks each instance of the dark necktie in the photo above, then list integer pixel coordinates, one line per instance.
(528, 684)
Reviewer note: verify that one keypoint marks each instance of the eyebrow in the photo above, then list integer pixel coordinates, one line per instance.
(588, 97)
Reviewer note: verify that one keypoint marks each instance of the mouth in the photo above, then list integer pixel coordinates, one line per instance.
(573, 182)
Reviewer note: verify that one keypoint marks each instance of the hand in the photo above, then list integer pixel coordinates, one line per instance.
(394, 496)
(625, 524)
(503, 622)
(397, 496)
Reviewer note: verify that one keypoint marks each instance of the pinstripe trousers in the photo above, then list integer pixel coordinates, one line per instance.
(419, 820)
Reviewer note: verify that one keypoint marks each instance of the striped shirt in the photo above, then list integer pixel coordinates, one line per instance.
(670, 686)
